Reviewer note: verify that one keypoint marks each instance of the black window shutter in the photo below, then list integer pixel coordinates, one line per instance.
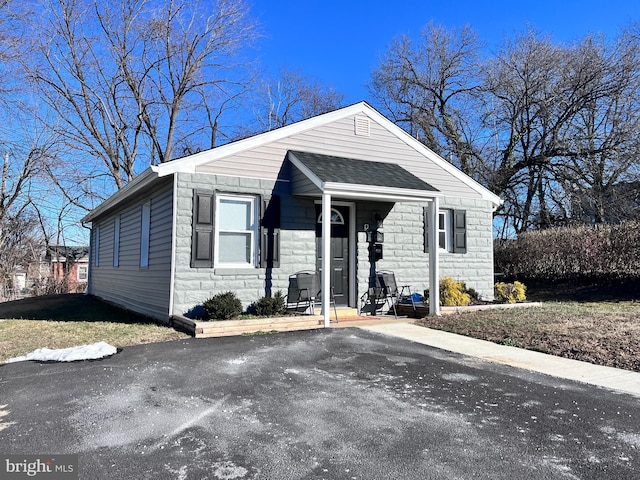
(270, 231)
(203, 229)
(459, 231)
(425, 223)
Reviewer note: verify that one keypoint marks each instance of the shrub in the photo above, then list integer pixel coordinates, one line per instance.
(598, 252)
(453, 294)
(223, 306)
(510, 292)
(269, 306)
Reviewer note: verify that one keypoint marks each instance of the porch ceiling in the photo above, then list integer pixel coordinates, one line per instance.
(359, 179)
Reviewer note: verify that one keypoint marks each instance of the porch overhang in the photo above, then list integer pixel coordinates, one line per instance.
(357, 179)
(351, 179)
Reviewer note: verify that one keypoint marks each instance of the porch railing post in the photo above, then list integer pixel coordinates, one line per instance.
(434, 258)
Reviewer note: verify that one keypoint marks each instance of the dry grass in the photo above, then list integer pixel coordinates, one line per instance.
(61, 321)
(604, 333)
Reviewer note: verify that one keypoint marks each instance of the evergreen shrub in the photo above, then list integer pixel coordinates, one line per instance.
(223, 306)
(269, 306)
(453, 293)
(510, 292)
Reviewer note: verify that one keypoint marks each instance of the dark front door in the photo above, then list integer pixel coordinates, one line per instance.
(339, 251)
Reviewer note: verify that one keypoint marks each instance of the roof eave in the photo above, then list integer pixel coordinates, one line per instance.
(138, 183)
(372, 192)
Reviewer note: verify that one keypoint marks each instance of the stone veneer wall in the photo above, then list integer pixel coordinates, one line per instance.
(403, 246)
(403, 250)
(297, 244)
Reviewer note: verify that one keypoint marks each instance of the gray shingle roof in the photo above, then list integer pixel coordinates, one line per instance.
(360, 172)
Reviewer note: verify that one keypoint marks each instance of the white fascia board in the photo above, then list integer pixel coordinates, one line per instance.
(431, 155)
(130, 189)
(355, 191)
(190, 163)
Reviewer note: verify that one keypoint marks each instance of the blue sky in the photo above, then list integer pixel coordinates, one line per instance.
(339, 42)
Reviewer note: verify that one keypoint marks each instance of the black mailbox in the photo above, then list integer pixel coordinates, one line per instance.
(375, 252)
(375, 237)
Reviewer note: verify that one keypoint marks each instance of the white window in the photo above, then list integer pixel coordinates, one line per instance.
(236, 231)
(116, 242)
(83, 273)
(444, 230)
(144, 235)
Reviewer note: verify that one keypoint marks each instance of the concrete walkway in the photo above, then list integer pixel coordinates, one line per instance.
(607, 377)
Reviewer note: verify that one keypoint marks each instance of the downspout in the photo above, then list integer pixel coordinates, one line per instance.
(91, 262)
(326, 258)
(434, 258)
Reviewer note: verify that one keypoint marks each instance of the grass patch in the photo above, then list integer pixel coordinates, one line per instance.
(62, 321)
(603, 333)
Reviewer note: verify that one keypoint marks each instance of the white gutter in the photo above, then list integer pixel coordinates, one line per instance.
(135, 185)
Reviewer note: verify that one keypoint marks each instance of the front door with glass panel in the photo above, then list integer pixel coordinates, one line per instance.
(339, 249)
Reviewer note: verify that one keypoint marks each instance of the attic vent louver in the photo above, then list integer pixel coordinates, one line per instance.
(362, 126)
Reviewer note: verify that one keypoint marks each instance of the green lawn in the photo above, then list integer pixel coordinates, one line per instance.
(61, 321)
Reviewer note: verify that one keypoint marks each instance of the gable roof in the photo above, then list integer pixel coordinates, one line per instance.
(332, 169)
(190, 163)
(361, 178)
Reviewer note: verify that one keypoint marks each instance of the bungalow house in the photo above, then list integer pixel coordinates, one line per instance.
(346, 192)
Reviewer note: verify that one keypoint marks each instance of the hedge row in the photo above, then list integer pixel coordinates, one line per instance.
(581, 252)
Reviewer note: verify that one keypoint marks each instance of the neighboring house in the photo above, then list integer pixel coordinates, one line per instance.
(56, 269)
(68, 267)
(245, 216)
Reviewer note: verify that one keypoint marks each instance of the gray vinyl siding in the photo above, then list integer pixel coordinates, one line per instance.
(338, 139)
(301, 184)
(143, 290)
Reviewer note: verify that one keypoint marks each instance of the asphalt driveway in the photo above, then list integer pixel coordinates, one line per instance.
(335, 404)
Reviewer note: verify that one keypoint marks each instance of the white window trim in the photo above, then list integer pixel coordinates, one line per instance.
(448, 233)
(336, 217)
(80, 268)
(145, 231)
(254, 232)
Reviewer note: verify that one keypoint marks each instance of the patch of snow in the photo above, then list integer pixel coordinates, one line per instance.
(72, 354)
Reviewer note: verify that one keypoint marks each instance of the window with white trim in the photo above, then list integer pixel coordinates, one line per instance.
(451, 230)
(236, 231)
(83, 273)
(444, 230)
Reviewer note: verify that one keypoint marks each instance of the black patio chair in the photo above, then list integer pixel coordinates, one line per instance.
(304, 292)
(386, 291)
(303, 287)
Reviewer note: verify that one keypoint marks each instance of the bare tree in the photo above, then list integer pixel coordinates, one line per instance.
(544, 125)
(131, 79)
(292, 97)
(562, 116)
(20, 248)
(430, 88)
(601, 175)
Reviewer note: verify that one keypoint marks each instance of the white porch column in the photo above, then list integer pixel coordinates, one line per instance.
(434, 258)
(326, 258)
